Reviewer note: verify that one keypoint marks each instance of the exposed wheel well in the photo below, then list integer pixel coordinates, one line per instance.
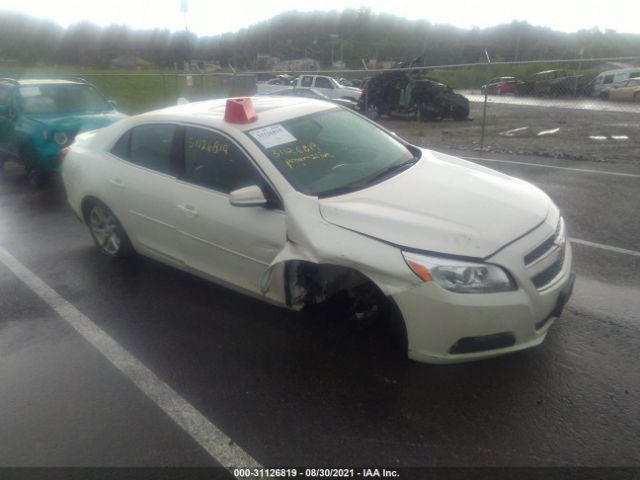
(308, 285)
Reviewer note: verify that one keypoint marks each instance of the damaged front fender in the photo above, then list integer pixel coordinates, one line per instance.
(343, 259)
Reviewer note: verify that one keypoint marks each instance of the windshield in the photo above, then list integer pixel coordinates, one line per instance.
(331, 152)
(62, 99)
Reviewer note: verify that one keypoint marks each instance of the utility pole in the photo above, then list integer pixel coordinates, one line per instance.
(486, 93)
(184, 8)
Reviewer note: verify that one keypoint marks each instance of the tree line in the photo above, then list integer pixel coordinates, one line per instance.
(349, 36)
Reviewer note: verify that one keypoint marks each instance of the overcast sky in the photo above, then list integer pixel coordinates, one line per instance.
(211, 17)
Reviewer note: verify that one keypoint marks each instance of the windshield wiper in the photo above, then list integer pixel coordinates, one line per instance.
(377, 177)
(390, 171)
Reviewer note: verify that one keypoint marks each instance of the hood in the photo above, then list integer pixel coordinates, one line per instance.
(442, 204)
(79, 122)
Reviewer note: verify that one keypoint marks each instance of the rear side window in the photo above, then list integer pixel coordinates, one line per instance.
(148, 146)
(121, 148)
(213, 161)
(608, 79)
(307, 81)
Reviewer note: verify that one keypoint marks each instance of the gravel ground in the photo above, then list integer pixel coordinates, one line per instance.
(534, 130)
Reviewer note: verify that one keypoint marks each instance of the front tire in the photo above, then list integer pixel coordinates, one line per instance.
(106, 230)
(38, 178)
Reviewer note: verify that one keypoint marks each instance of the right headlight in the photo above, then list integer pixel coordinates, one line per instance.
(60, 138)
(458, 276)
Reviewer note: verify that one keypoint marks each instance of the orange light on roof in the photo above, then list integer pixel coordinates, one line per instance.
(240, 110)
(420, 270)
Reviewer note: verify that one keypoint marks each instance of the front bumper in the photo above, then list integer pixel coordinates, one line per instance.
(447, 327)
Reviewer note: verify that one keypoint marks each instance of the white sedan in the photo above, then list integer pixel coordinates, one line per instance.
(295, 201)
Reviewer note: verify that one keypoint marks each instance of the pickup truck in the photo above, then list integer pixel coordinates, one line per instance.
(327, 85)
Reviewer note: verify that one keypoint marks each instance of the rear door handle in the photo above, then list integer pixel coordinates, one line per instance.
(117, 182)
(188, 210)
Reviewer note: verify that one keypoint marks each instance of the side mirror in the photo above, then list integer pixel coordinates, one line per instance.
(251, 196)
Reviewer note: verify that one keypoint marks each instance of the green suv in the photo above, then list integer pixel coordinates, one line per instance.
(38, 118)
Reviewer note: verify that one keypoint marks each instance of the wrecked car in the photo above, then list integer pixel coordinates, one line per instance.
(410, 94)
(296, 201)
(39, 117)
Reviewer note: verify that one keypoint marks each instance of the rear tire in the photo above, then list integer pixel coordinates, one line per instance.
(107, 231)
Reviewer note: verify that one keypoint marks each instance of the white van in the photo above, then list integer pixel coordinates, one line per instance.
(604, 81)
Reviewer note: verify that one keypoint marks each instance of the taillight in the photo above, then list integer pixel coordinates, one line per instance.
(63, 154)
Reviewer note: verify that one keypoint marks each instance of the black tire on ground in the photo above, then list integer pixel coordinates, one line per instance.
(373, 112)
(636, 97)
(106, 230)
(38, 178)
(460, 112)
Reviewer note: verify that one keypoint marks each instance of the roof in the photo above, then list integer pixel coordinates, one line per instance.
(269, 109)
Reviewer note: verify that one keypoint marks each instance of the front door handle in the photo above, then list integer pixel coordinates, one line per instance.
(188, 210)
(117, 182)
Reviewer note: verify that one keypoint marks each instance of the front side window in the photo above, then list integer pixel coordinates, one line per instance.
(62, 98)
(608, 79)
(213, 161)
(322, 82)
(148, 146)
(331, 152)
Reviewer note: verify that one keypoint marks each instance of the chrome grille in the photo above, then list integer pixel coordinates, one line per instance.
(546, 276)
(544, 248)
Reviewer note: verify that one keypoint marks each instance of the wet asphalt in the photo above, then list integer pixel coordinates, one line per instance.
(302, 389)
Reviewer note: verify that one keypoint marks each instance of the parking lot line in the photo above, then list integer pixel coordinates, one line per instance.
(605, 247)
(206, 434)
(583, 170)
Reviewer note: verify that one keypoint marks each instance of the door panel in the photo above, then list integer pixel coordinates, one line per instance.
(144, 204)
(233, 244)
(230, 243)
(7, 121)
(141, 189)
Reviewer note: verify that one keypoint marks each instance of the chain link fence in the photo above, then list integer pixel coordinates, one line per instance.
(575, 108)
